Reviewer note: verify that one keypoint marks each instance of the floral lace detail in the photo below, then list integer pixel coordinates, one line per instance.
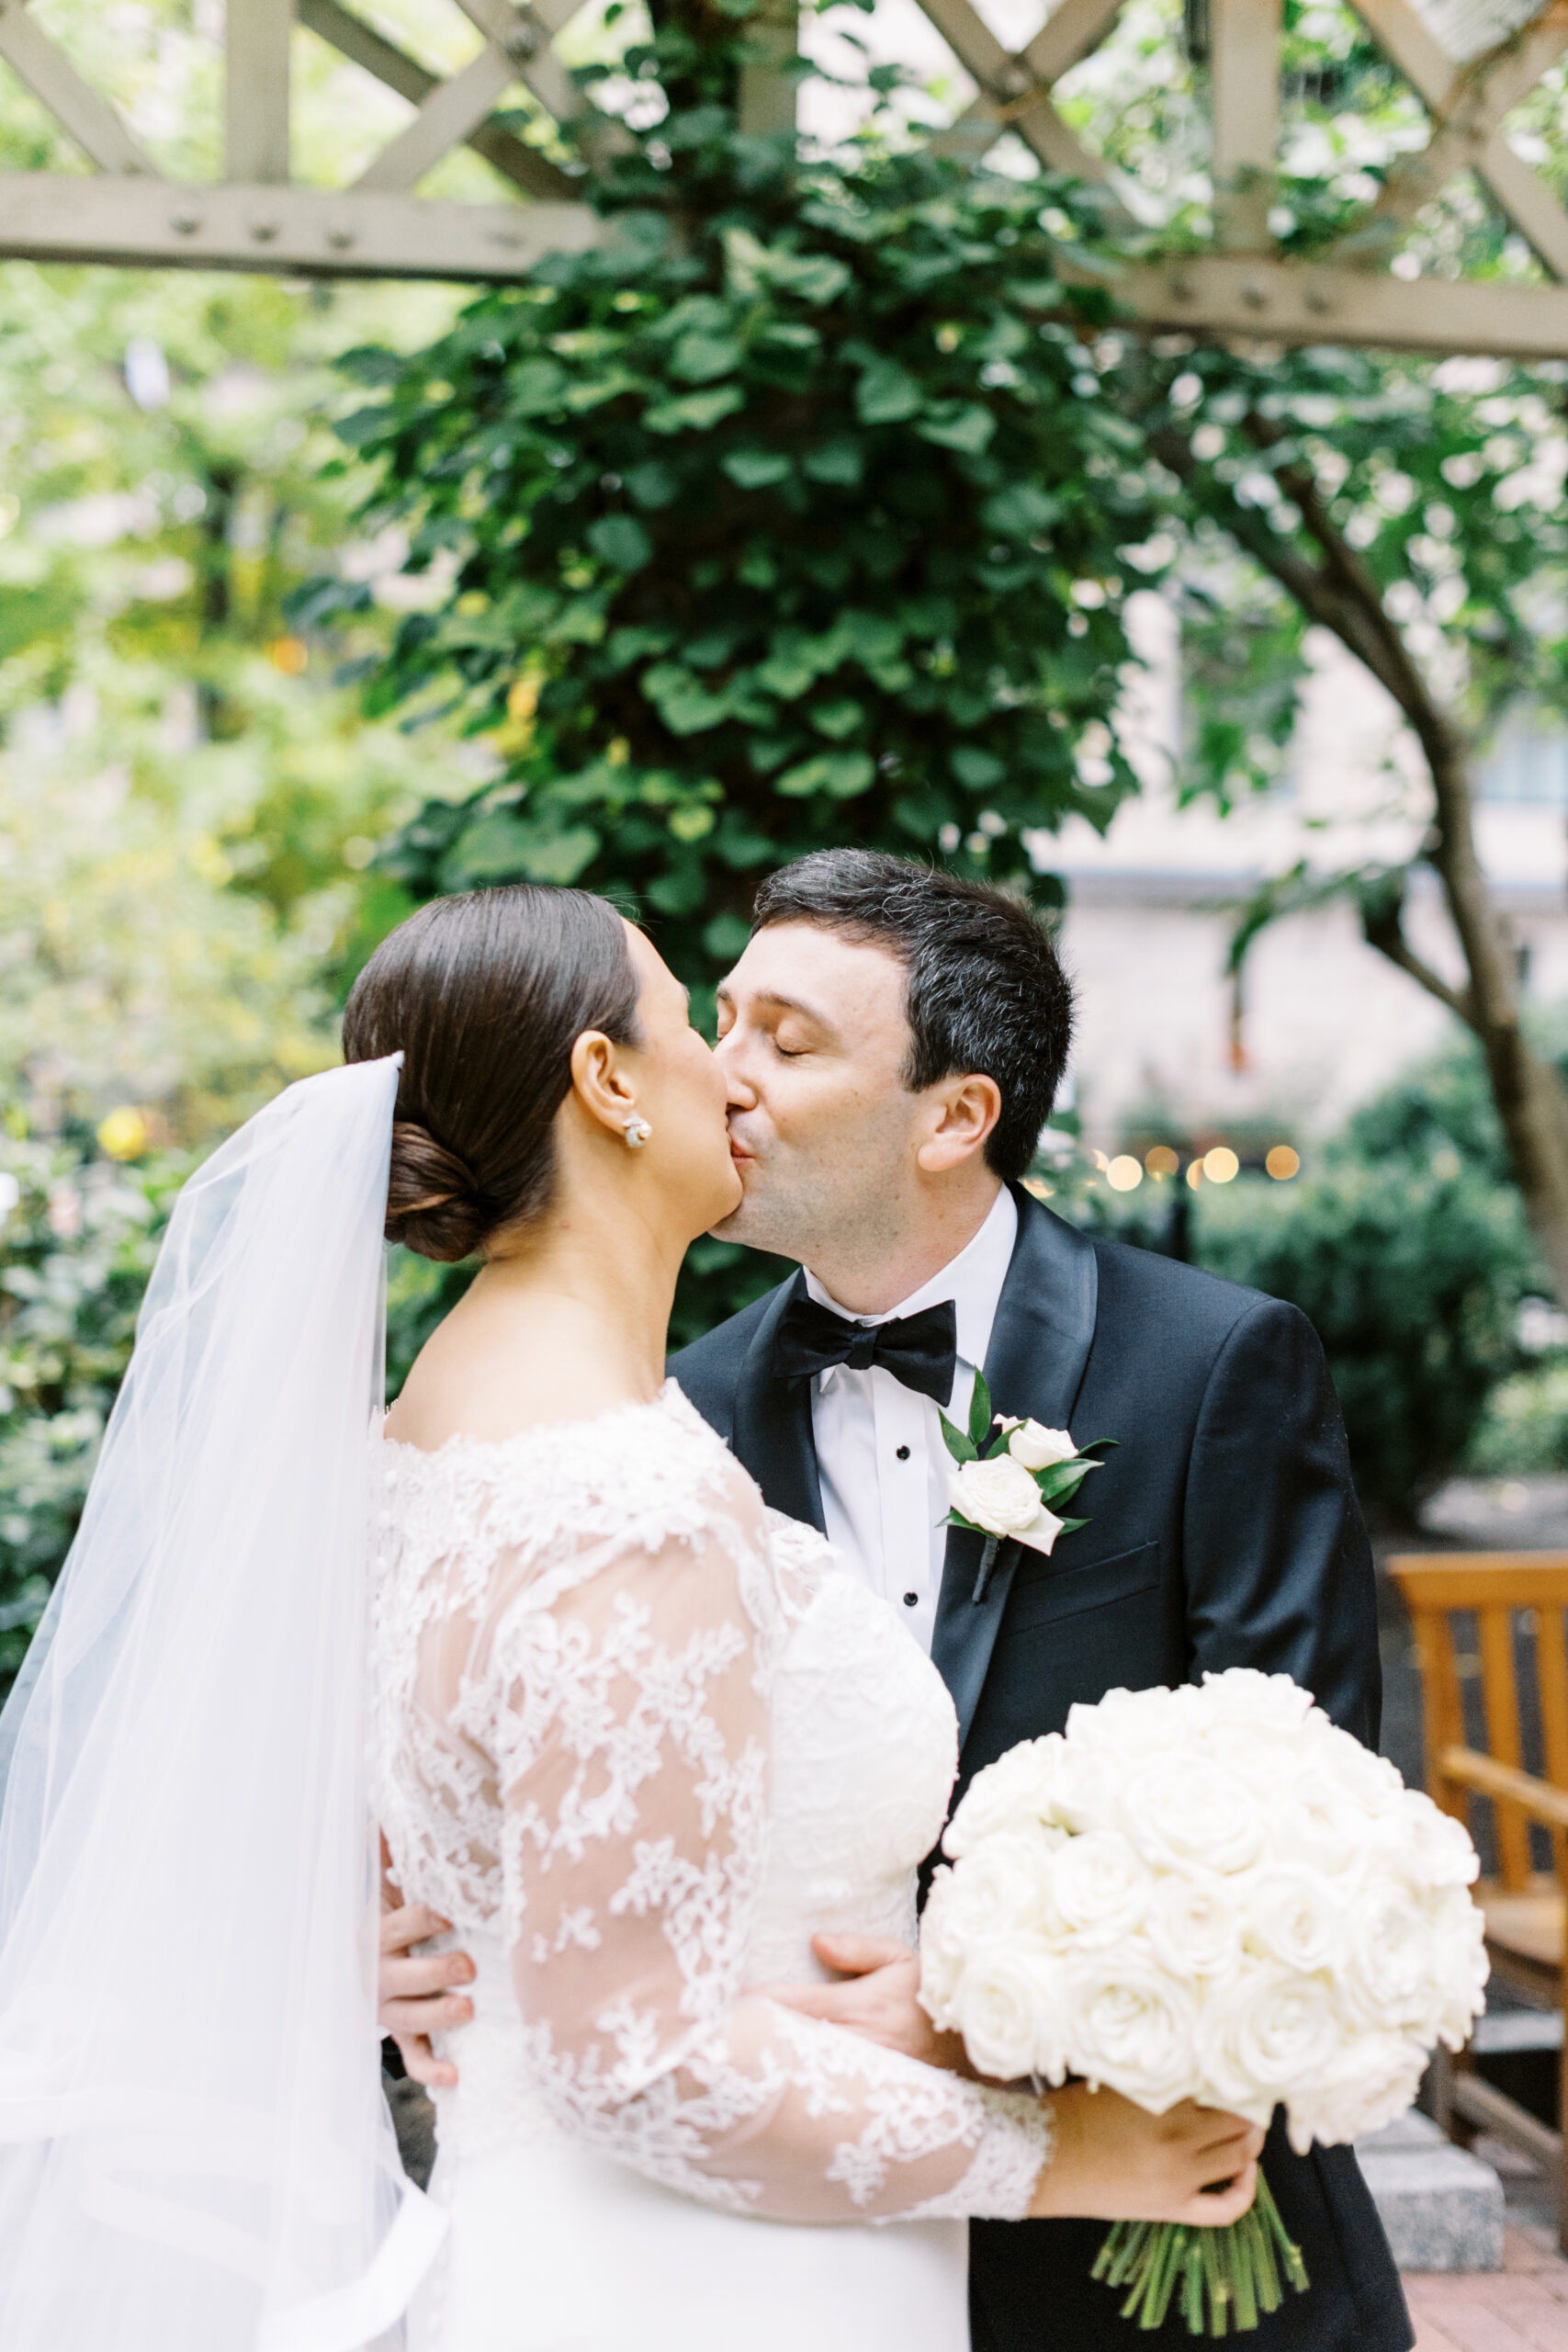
(578, 1637)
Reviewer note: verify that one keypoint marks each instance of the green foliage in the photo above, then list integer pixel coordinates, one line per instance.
(1405, 1246)
(783, 521)
(1525, 1427)
(1413, 1282)
(78, 1241)
(1443, 482)
(183, 807)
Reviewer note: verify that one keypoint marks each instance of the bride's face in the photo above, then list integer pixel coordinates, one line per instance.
(683, 1095)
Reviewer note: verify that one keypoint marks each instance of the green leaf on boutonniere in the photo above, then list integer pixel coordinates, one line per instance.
(1063, 1479)
(961, 1447)
(980, 1412)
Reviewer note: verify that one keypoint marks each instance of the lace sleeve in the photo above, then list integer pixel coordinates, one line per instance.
(629, 1724)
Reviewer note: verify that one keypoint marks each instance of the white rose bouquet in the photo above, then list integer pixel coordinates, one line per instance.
(1209, 1893)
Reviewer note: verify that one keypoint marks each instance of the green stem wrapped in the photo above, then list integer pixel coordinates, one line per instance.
(1222, 2279)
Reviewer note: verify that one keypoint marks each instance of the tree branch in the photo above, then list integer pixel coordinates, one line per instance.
(1382, 927)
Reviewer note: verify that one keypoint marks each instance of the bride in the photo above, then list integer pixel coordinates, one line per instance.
(634, 1735)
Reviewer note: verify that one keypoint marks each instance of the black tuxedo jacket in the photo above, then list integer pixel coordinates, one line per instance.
(1222, 1530)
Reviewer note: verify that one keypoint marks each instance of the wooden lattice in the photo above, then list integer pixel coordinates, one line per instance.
(257, 217)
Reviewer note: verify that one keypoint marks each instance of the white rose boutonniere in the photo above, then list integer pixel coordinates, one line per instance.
(1000, 1495)
(1034, 1445)
(1002, 1488)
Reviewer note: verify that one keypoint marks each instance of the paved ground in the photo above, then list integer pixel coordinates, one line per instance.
(1521, 2308)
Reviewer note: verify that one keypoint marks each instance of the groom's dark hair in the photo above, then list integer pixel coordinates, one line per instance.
(987, 992)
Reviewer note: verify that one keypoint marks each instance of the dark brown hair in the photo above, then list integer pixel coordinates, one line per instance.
(985, 993)
(485, 995)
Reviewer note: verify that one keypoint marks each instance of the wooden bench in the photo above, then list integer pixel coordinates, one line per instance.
(1524, 1909)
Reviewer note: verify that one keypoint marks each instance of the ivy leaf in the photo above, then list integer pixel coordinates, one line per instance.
(628, 645)
(963, 426)
(868, 638)
(753, 266)
(844, 775)
(581, 396)
(976, 769)
(696, 411)
(653, 485)
(363, 426)
(886, 393)
(789, 670)
(621, 541)
(842, 463)
(682, 700)
(580, 621)
(725, 938)
(536, 387)
(501, 844)
(1021, 512)
(757, 468)
(838, 720)
(698, 358)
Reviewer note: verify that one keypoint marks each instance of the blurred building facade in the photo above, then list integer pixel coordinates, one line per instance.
(1169, 1046)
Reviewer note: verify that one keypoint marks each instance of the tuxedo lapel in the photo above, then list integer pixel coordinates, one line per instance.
(1040, 1344)
(773, 1423)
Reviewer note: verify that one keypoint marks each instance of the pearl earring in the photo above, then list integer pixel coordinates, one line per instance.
(637, 1133)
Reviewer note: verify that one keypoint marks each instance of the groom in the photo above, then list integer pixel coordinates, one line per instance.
(893, 1039)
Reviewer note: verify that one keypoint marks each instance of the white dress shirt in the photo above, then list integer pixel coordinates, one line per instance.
(879, 1454)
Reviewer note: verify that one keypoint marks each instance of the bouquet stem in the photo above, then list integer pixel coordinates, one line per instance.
(1224, 2279)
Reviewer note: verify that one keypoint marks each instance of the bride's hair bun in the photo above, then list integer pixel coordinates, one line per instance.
(484, 996)
(432, 1202)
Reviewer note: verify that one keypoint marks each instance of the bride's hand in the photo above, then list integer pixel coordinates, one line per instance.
(875, 1997)
(1115, 2162)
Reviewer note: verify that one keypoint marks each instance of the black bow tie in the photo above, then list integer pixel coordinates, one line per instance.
(919, 1350)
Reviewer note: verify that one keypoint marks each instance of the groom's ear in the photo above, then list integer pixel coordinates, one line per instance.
(960, 1115)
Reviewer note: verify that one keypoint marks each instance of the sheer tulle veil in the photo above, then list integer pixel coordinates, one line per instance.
(195, 2154)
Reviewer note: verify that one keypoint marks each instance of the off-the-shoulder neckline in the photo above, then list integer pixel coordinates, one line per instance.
(463, 1441)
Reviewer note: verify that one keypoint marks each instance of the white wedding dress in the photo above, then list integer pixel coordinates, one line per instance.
(639, 1738)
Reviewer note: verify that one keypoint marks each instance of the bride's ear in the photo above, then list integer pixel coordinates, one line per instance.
(601, 1082)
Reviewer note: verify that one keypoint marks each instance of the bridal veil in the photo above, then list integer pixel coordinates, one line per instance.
(195, 2154)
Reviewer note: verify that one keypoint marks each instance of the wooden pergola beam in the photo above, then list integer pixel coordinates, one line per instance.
(1245, 114)
(1466, 109)
(363, 46)
(1241, 288)
(92, 122)
(295, 231)
(1296, 302)
(257, 37)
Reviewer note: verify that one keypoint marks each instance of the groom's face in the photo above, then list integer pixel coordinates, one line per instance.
(814, 1043)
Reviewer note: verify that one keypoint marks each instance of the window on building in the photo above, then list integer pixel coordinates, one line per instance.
(1528, 764)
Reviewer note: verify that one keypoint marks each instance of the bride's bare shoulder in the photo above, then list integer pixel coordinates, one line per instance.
(483, 1378)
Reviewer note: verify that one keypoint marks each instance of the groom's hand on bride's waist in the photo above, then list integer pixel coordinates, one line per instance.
(415, 1991)
(876, 1981)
